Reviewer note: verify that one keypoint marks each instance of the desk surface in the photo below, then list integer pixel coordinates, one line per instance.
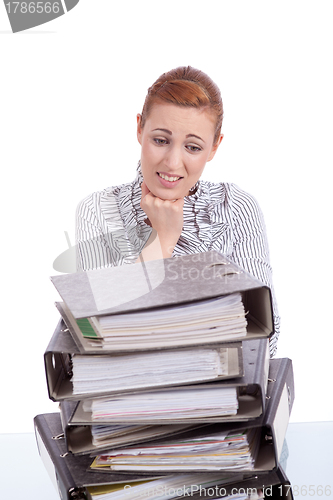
(309, 464)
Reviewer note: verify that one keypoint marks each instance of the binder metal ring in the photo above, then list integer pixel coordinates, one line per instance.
(59, 436)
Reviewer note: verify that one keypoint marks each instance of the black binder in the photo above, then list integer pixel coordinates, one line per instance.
(275, 485)
(163, 283)
(71, 476)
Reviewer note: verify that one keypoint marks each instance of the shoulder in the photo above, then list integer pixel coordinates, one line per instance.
(104, 200)
(228, 203)
(243, 203)
(230, 195)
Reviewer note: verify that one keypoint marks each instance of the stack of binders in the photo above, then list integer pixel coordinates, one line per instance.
(165, 385)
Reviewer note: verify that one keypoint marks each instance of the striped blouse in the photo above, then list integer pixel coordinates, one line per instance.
(111, 230)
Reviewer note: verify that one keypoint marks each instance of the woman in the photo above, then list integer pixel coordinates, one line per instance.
(167, 211)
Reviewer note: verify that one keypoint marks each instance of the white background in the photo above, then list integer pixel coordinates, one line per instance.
(70, 91)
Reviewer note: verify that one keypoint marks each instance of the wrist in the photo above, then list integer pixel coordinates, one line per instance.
(157, 247)
(167, 243)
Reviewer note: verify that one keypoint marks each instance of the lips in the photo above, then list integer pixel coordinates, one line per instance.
(168, 177)
(168, 181)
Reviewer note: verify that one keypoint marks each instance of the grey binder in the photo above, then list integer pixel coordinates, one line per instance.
(61, 348)
(163, 283)
(72, 477)
(251, 386)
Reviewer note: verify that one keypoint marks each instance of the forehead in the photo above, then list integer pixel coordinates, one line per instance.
(181, 118)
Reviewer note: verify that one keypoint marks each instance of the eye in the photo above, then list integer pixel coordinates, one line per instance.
(160, 142)
(193, 149)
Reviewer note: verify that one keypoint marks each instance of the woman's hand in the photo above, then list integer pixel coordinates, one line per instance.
(166, 218)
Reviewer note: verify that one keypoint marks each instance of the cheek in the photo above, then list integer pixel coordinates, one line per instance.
(198, 166)
(150, 153)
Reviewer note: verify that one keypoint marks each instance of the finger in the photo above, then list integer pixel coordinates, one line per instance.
(179, 202)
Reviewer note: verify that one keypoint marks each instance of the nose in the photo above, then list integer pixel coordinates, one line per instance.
(173, 159)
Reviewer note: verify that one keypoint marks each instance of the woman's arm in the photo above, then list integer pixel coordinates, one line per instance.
(250, 247)
(92, 251)
(166, 220)
(101, 243)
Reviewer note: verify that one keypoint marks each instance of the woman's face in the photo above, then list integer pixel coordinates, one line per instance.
(176, 144)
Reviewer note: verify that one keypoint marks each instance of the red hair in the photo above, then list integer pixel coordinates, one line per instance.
(186, 86)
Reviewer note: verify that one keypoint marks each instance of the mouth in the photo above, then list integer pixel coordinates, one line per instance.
(169, 178)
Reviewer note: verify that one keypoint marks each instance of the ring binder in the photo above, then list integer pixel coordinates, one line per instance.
(272, 425)
(62, 347)
(257, 298)
(251, 387)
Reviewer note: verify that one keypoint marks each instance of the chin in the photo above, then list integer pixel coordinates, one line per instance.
(169, 194)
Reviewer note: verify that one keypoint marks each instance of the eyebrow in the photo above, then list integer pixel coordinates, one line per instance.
(193, 135)
(163, 130)
(170, 133)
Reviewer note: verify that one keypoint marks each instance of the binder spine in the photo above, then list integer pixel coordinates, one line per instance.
(280, 374)
(280, 403)
(66, 412)
(257, 354)
(263, 367)
(58, 363)
(58, 370)
(52, 454)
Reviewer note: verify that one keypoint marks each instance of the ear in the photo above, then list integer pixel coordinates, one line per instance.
(139, 128)
(215, 148)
